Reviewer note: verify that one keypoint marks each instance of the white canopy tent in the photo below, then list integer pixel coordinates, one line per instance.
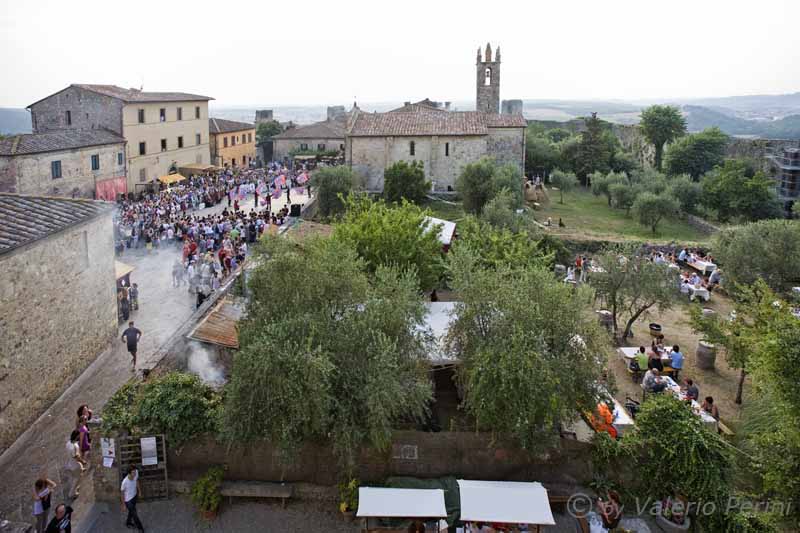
(505, 502)
(375, 502)
(447, 229)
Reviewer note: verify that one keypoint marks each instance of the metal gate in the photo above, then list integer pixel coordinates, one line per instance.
(153, 478)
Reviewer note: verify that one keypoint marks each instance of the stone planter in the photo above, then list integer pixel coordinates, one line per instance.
(706, 355)
(672, 527)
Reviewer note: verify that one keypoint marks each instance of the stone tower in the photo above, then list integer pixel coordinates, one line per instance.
(488, 81)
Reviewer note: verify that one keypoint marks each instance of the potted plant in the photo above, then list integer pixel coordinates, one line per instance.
(348, 499)
(206, 492)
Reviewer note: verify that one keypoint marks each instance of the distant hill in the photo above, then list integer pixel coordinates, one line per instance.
(699, 118)
(14, 120)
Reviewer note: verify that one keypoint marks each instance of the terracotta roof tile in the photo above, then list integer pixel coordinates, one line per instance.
(399, 124)
(134, 95)
(220, 125)
(327, 129)
(33, 143)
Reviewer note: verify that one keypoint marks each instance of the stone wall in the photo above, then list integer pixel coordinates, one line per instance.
(507, 146)
(31, 173)
(88, 110)
(443, 157)
(412, 453)
(282, 147)
(58, 313)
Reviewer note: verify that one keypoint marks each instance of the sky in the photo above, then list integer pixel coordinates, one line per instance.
(325, 52)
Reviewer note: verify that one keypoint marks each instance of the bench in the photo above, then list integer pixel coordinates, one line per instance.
(724, 430)
(256, 489)
(242, 489)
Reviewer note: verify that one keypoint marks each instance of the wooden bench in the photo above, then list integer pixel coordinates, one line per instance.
(725, 430)
(243, 489)
(256, 489)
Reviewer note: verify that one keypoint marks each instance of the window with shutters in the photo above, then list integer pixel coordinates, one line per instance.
(95, 162)
(55, 169)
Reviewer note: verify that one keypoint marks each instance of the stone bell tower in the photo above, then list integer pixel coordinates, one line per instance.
(487, 97)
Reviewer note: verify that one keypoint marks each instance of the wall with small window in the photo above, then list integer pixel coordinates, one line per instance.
(71, 173)
(75, 108)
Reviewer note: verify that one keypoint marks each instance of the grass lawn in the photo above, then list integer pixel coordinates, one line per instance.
(589, 216)
(445, 210)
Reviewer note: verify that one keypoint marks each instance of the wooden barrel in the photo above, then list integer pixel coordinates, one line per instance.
(706, 355)
(655, 329)
(605, 318)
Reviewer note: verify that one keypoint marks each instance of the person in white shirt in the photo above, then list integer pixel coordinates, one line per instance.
(129, 491)
(74, 466)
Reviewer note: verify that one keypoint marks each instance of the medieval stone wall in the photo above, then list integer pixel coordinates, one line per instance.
(507, 146)
(58, 313)
(281, 148)
(88, 110)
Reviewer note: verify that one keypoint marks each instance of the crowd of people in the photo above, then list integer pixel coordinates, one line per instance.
(212, 245)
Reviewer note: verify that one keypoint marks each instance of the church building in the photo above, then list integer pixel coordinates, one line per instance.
(445, 141)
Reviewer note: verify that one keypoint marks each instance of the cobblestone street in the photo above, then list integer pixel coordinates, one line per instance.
(39, 451)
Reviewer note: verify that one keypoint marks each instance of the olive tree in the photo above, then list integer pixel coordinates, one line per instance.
(631, 286)
(530, 357)
(338, 357)
(564, 181)
(651, 208)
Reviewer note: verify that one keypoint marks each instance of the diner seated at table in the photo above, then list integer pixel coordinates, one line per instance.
(714, 279)
(691, 390)
(685, 286)
(683, 255)
(653, 382)
(696, 280)
(654, 360)
(709, 407)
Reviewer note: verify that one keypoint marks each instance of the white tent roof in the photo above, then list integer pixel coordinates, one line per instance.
(505, 502)
(446, 231)
(400, 503)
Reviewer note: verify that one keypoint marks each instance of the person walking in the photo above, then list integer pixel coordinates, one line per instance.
(42, 491)
(74, 466)
(129, 492)
(134, 294)
(132, 336)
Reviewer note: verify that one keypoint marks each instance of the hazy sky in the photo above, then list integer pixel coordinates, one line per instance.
(314, 52)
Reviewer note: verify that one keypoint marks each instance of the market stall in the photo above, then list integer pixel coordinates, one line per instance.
(505, 502)
(171, 179)
(424, 505)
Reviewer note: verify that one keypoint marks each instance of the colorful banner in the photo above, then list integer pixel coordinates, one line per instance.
(110, 188)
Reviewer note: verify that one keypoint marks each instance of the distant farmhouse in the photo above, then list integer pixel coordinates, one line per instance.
(444, 141)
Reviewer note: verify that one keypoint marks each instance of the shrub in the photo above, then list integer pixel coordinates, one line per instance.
(206, 490)
(405, 181)
(333, 185)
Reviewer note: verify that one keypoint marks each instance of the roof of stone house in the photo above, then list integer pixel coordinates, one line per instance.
(431, 123)
(134, 95)
(423, 105)
(327, 129)
(26, 219)
(55, 141)
(220, 125)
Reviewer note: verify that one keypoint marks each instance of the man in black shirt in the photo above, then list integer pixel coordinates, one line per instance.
(62, 521)
(132, 336)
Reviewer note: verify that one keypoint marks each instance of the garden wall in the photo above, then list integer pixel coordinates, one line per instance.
(412, 453)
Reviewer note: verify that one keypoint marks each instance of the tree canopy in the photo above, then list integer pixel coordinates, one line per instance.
(631, 285)
(392, 235)
(564, 181)
(736, 191)
(338, 357)
(265, 130)
(405, 181)
(650, 208)
(480, 181)
(496, 247)
(697, 153)
(530, 358)
(333, 185)
(767, 250)
(661, 124)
